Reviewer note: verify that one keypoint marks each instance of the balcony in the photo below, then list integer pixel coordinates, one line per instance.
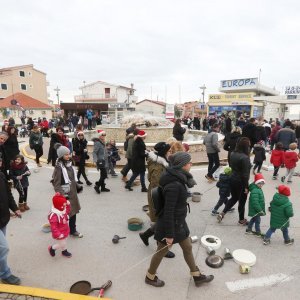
(96, 98)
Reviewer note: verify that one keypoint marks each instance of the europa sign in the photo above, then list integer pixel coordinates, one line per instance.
(239, 84)
(292, 90)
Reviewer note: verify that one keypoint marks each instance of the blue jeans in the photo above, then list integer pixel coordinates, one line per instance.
(256, 221)
(285, 233)
(134, 176)
(4, 269)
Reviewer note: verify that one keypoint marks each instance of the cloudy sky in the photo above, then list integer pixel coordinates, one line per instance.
(171, 47)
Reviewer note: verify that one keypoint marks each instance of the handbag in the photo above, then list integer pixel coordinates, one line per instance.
(66, 188)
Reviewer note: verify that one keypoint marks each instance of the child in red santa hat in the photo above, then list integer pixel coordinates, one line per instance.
(59, 221)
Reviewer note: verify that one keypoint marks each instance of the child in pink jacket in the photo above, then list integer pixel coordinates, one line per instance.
(59, 221)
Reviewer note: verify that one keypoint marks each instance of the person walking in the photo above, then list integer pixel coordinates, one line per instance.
(231, 140)
(212, 149)
(11, 146)
(81, 155)
(36, 143)
(290, 162)
(275, 128)
(171, 226)
(249, 131)
(56, 137)
(7, 203)
(259, 156)
(178, 131)
(100, 158)
(277, 159)
(286, 136)
(128, 146)
(64, 182)
(239, 186)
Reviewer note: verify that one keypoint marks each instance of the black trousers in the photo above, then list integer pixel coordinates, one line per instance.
(72, 224)
(81, 169)
(213, 163)
(257, 166)
(23, 194)
(89, 124)
(103, 176)
(276, 169)
(237, 190)
(38, 152)
(127, 167)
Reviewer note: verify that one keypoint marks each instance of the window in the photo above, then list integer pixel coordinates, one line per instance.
(23, 87)
(22, 73)
(3, 86)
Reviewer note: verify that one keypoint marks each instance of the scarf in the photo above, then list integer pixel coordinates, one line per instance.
(64, 167)
(189, 177)
(20, 166)
(59, 213)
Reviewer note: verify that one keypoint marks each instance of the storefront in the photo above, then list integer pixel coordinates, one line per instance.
(81, 108)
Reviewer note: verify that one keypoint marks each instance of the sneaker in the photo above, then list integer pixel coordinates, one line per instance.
(77, 234)
(214, 212)
(220, 217)
(282, 178)
(12, 279)
(51, 251)
(243, 222)
(266, 241)
(65, 253)
(79, 182)
(249, 231)
(155, 282)
(289, 242)
(97, 189)
(258, 234)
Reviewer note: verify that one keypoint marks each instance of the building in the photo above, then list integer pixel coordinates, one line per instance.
(24, 79)
(192, 108)
(19, 103)
(240, 97)
(151, 107)
(102, 97)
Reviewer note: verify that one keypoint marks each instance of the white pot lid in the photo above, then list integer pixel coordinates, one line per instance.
(244, 257)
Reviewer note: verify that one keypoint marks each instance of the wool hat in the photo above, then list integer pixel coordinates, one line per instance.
(162, 148)
(227, 171)
(141, 133)
(101, 132)
(284, 190)
(179, 159)
(259, 178)
(61, 150)
(58, 201)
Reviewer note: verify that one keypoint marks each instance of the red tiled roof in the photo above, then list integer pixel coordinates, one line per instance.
(153, 101)
(25, 101)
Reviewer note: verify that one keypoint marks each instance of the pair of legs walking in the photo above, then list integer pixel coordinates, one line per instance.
(62, 245)
(288, 175)
(257, 166)
(38, 153)
(133, 177)
(101, 182)
(81, 171)
(213, 164)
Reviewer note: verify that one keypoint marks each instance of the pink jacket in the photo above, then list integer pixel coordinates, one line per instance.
(60, 225)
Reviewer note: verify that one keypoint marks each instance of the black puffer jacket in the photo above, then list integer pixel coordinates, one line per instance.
(138, 156)
(78, 147)
(224, 185)
(6, 201)
(171, 223)
(249, 131)
(260, 153)
(231, 141)
(240, 165)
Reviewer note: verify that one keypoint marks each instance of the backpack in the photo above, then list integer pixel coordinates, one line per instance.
(158, 200)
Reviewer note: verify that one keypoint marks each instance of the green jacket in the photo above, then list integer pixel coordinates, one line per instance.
(281, 211)
(256, 200)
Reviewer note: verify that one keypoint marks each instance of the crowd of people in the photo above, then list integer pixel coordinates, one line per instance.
(169, 166)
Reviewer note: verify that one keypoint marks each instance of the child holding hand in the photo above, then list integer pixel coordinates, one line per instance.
(59, 221)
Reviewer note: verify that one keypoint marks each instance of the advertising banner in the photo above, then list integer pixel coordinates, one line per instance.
(169, 111)
(238, 84)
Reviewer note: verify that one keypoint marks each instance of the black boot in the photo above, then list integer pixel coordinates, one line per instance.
(145, 236)
(201, 278)
(144, 189)
(128, 187)
(97, 189)
(88, 182)
(104, 189)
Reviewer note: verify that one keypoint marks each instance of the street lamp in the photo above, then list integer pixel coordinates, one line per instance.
(203, 88)
(57, 90)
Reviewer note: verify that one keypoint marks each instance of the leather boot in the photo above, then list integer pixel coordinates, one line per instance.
(145, 236)
(21, 207)
(26, 207)
(104, 189)
(153, 280)
(201, 278)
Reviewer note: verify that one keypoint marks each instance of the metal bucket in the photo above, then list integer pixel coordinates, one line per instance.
(196, 197)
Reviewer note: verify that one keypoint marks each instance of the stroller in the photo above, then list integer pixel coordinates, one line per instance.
(23, 131)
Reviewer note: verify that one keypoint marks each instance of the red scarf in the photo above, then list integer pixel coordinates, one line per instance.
(20, 166)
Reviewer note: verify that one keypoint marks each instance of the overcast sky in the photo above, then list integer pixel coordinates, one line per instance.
(167, 45)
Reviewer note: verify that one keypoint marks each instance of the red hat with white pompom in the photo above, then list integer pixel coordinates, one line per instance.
(259, 178)
(59, 201)
(101, 132)
(141, 133)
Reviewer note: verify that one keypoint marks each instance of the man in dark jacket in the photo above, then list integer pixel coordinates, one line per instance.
(171, 227)
(286, 136)
(196, 122)
(249, 131)
(7, 202)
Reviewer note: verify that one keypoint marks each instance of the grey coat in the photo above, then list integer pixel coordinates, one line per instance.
(130, 138)
(36, 138)
(58, 181)
(211, 142)
(100, 151)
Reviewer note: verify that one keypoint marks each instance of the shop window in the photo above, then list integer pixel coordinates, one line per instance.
(3, 86)
(23, 87)
(22, 73)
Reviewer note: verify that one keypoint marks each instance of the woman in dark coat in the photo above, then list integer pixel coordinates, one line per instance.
(240, 165)
(57, 137)
(139, 155)
(178, 131)
(11, 145)
(171, 227)
(231, 141)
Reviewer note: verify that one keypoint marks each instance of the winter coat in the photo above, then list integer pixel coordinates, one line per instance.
(273, 133)
(52, 154)
(241, 123)
(130, 139)
(156, 166)
(281, 211)
(240, 165)
(259, 153)
(58, 181)
(100, 152)
(171, 223)
(286, 136)
(11, 148)
(228, 125)
(138, 156)
(60, 225)
(249, 131)
(211, 142)
(14, 172)
(277, 158)
(231, 141)
(78, 147)
(256, 201)
(290, 159)
(36, 138)
(260, 133)
(178, 132)
(224, 185)
(7, 201)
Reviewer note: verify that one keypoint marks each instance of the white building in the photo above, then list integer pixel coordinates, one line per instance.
(151, 107)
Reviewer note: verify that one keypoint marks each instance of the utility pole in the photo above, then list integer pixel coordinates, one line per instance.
(203, 88)
(57, 90)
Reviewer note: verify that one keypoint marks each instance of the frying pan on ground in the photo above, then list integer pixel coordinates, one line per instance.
(84, 287)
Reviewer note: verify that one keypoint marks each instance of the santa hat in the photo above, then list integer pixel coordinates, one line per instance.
(259, 178)
(141, 133)
(284, 190)
(101, 132)
(58, 201)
